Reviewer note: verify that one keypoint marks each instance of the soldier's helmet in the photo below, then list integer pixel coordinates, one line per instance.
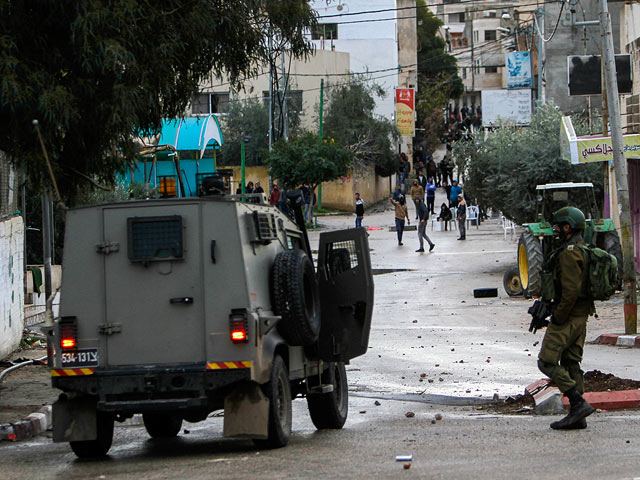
(571, 215)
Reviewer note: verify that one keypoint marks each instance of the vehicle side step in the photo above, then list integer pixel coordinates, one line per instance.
(320, 389)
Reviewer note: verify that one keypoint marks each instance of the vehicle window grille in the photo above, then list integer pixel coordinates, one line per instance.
(340, 257)
(155, 238)
(265, 224)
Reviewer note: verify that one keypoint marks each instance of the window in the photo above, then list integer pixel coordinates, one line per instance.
(464, 72)
(490, 35)
(154, 238)
(325, 31)
(294, 100)
(205, 103)
(490, 69)
(461, 17)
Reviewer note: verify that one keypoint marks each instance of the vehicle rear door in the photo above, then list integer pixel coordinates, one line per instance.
(153, 289)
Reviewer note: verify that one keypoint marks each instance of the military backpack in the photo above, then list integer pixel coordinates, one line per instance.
(601, 272)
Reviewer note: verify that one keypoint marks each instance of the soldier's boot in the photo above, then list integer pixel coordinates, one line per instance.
(580, 409)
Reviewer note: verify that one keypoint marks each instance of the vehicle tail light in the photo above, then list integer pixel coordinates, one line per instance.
(68, 332)
(239, 326)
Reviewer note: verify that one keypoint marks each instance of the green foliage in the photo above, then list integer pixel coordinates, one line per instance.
(93, 73)
(308, 160)
(250, 118)
(349, 119)
(502, 171)
(438, 79)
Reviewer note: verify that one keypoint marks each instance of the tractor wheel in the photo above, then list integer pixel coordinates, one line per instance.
(530, 264)
(611, 244)
(511, 282)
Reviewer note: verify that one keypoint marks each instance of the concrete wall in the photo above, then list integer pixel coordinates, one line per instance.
(570, 40)
(337, 194)
(11, 283)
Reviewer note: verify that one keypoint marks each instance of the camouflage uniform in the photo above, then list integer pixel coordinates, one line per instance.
(563, 343)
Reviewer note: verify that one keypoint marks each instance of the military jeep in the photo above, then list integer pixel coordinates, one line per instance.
(175, 308)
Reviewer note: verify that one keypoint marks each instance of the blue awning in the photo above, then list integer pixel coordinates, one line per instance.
(191, 133)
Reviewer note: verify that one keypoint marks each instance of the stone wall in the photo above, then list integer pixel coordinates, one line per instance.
(11, 283)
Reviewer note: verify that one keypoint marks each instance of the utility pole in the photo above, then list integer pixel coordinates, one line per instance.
(320, 134)
(270, 94)
(622, 184)
(540, 55)
(285, 129)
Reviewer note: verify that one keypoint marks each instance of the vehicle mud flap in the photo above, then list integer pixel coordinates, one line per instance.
(346, 295)
(74, 419)
(246, 412)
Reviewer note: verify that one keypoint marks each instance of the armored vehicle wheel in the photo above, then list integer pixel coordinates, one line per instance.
(511, 282)
(160, 425)
(611, 244)
(101, 445)
(278, 391)
(530, 264)
(296, 297)
(329, 410)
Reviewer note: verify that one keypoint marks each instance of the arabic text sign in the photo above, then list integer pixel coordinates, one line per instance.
(405, 106)
(518, 69)
(600, 150)
(506, 106)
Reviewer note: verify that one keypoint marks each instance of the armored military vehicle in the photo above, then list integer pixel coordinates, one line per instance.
(175, 308)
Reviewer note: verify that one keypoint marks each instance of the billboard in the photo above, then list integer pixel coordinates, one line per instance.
(585, 75)
(506, 106)
(518, 69)
(405, 107)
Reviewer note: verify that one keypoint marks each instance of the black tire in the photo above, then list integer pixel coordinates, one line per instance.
(530, 264)
(159, 425)
(330, 410)
(296, 297)
(278, 391)
(611, 244)
(511, 282)
(101, 445)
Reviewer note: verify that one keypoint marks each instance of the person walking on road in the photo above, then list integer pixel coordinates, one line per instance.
(401, 214)
(416, 191)
(359, 210)
(423, 214)
(563, 343)
(461, 215)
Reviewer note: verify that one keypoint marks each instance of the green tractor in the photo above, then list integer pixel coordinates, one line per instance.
(537, 238)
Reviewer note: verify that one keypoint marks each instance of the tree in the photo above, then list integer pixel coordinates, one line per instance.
(308, 160)
(438, 79)
(350, 120)
(502, 171)
(96, 73)
(250, 117)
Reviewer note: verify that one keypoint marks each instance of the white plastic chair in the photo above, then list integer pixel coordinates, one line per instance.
(508, 226)
(473, 213)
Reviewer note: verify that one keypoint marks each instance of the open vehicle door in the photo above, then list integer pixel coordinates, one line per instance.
(346, 294)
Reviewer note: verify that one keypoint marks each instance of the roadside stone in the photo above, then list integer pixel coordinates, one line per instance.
(409, 414)
(549, 403)
(377, 403)
(438, 416)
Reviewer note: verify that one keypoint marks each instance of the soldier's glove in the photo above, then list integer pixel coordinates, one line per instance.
(539, 314)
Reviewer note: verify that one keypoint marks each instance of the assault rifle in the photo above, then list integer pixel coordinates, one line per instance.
(539, 313)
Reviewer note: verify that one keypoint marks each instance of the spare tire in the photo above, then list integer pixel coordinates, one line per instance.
(295, 297)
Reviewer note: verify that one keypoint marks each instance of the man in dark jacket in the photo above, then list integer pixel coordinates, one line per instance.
(461, 215)
(423, 215)
(422, 180)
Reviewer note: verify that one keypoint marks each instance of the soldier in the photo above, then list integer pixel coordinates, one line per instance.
(563, 342)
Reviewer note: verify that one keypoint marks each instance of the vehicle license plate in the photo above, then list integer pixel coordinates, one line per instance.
(84, 357)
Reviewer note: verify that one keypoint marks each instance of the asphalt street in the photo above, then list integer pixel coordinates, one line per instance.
(435, 351)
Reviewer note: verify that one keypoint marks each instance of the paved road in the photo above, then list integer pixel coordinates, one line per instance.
(426, 321)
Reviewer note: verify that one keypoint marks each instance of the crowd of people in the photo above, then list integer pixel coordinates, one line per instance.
(277, 197)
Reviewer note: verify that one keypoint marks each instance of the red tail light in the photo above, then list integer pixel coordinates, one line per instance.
(68, 332)
(239, 326)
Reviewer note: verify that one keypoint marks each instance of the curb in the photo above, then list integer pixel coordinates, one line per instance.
(632, 341)
(32, 425)
(549, 400)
